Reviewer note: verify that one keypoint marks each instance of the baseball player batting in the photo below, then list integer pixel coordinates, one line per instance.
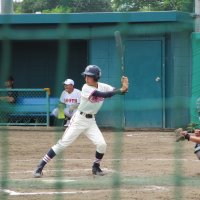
(83, 121)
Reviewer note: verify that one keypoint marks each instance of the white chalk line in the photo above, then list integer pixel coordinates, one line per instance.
(60, 181)
(14, 193)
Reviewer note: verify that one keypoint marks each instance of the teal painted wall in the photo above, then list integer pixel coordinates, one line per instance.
(178, 79)
(144, 105)
(123, 110)
(103, 53)
(195, 78)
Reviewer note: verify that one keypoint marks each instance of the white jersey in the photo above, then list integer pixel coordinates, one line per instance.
(72, 98)
(90, 104)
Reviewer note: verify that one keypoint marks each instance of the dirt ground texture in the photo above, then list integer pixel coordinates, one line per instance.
(138, 165)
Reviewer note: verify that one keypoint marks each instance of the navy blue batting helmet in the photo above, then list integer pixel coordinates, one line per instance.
(92, 70)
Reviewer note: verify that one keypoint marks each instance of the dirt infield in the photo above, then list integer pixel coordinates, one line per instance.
(152, 166)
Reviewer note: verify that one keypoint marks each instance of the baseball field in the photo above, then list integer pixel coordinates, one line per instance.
(150, 165)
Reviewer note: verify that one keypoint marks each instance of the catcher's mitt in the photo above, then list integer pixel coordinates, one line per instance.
(179, 137)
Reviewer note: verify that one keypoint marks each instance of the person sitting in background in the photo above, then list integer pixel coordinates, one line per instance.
(7, 100)
(9, 97)
(70, 97)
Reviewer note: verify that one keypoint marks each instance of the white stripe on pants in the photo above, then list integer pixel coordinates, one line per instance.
(80, 124)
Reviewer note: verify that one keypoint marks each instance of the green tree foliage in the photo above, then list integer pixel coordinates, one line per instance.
(154, 5)
(136, 5)
(62, 6)
(181, 5)
(32, 6)
(90, 5)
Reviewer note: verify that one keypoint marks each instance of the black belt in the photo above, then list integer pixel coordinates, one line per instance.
(87, 115)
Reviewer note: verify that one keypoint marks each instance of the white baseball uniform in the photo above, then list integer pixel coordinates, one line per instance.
(69, 99)
(84, 120)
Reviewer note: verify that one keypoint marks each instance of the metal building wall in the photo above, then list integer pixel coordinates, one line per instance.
(102, 52)
(178, 79)
(177, 87)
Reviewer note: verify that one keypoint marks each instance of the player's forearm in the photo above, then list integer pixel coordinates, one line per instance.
(191, 138)
(106, 94)
(194, 139)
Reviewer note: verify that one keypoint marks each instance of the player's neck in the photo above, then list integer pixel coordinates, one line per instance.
(70, 91)
(95, 84)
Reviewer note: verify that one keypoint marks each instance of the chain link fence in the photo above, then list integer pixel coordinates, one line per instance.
(24, 107)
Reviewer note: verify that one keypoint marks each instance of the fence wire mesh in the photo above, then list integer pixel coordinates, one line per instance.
(58, 187)
(24, 107)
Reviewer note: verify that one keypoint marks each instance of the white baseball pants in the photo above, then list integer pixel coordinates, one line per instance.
(80, 124)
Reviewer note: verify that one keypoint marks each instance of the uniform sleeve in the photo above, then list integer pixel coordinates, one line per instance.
(107, 88)
(107, 94)
(87, 91)
(105, 91)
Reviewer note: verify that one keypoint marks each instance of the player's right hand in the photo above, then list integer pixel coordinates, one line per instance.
(124, 81)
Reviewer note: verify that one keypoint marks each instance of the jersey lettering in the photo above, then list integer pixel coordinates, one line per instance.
(70, 100)
(94, 99)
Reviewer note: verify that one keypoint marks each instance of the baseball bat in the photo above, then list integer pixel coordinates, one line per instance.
(120, 49)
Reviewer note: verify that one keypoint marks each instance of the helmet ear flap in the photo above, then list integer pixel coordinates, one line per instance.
(96, 78)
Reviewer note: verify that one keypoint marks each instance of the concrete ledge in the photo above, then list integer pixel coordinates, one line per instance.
(62, 129)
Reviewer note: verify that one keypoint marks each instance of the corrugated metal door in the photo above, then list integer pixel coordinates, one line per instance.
(103, 53)
(144, 101)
